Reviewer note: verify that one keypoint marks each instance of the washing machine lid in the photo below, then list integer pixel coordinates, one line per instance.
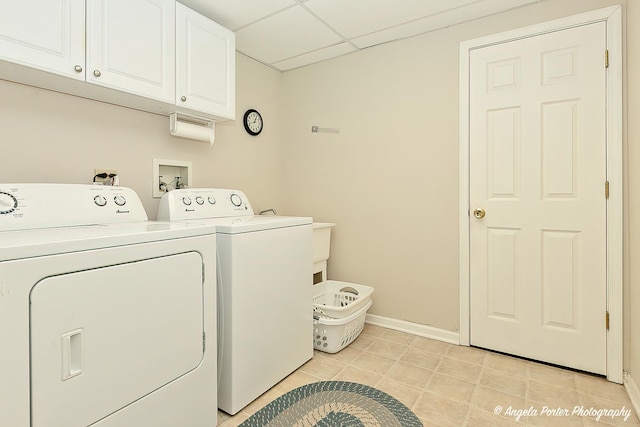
(258, 223)
(248, 224)
(21, 244)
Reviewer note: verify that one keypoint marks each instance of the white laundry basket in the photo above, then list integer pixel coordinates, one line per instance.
(340, 309)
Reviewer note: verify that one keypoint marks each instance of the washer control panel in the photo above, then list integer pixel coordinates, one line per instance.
(202, 203)
(27, 206)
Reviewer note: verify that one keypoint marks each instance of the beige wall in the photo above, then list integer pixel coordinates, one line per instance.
(51, 137)
(389, 179)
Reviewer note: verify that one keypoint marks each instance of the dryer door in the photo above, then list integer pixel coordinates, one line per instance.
(102, 338)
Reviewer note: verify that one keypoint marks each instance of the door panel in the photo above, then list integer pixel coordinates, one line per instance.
(504, 152)
(57, 46)
(205, 64)
(560, 286)
(115, 62)
(503, 278)
(537, 168)
(103, 338)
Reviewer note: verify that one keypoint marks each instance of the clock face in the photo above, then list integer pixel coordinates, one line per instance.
(253, 122)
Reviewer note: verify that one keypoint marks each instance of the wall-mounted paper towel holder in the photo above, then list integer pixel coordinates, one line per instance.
(192, 127)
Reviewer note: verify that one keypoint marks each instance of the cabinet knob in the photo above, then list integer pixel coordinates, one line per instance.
(78, 68)
(183, 98)
(97, 73)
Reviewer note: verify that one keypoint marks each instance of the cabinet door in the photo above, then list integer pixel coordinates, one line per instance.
(205, 64)
(131, 46)
(44, 34)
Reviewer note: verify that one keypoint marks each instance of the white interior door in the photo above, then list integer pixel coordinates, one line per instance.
(537, 171)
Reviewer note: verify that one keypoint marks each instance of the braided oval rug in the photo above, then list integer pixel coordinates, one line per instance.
(334, 404)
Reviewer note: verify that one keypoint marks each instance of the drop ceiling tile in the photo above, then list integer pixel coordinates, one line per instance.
(315, 56)
(294, 32)
(234, 14)
(451, 17)
(353, 18)
(284, 35)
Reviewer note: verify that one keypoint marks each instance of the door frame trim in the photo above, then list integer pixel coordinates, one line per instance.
(613, 18)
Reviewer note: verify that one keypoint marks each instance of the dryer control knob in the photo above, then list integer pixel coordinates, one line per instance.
(236, 200)
(8, 203)
(120, 200)
(100, 200)
(186, 200)
(212, 200)
(199, 200)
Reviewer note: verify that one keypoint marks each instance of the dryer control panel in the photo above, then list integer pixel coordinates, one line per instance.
(203, 203)
(29, 206)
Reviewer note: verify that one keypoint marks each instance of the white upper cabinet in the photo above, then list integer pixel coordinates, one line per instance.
(205, 64)
(131, 46)
(152, 55)
(45, 34)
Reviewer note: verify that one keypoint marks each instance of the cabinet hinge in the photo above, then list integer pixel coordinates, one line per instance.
(606, 59)
(607, 320)
(606, 189)
(204, 340)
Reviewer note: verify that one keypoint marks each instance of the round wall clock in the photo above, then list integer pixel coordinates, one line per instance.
(253, 122)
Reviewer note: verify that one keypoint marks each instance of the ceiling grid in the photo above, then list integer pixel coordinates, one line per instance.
(288, 34)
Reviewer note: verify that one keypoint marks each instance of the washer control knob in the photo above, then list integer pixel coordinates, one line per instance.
(100, 200)
(212, 200)
(8, 203)
(186, 200)
(199, 200)
(236, 200)
(119, 200)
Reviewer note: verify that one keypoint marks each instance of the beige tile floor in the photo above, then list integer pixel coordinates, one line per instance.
(449, 385)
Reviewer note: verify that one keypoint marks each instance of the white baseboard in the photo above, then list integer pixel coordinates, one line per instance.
(414, 328)
(633, 392)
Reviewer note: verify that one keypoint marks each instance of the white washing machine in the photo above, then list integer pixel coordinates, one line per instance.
(106, 319)
(265, 290)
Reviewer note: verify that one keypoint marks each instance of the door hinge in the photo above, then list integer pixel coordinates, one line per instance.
(607, 320)
(606, 189)
(204, 341)
(606, 59)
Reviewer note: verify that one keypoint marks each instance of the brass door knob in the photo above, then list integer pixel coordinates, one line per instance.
(78, 68)
(97, 73)
(183, 98)
(479, 213)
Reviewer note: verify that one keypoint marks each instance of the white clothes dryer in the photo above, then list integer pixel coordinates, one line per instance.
(265, 284)
(106, 319)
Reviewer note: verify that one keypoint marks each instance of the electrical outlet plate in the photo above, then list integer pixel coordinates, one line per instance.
(100, 171)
